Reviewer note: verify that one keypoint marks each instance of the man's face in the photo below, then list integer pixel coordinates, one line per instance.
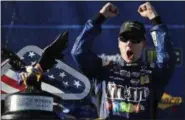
(130, 51)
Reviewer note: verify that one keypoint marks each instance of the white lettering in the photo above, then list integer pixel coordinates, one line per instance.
(132, 94)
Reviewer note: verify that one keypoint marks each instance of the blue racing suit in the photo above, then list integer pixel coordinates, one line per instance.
(125, 91)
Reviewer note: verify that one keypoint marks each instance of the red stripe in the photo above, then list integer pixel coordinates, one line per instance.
(12, 82)
(3, 92)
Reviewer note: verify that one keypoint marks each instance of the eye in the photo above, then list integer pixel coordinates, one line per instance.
(123, 39)
(135, 41)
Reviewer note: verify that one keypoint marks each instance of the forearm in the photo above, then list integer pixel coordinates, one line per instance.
(165, 55)
(81, 52)
(90, 31)
(161, 41)
(165, 62)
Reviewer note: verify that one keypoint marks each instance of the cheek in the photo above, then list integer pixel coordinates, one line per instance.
(138, 48)
(122, 47)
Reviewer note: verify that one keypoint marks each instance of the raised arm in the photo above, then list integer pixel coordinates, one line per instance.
(88, 61)
(165, 62)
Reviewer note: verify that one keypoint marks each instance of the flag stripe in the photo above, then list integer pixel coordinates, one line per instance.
(12, 82)
(12, 74)
(7, 88)
(51, 89)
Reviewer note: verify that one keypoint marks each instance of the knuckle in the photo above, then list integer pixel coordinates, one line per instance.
(147, 3)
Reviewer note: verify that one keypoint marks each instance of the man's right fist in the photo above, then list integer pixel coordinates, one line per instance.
(109, 10)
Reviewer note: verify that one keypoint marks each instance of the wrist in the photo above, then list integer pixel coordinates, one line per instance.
(99, 19)
(152, 15)
(156, 20)
(104, 14)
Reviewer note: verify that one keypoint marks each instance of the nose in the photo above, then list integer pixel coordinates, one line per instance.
(129, 43)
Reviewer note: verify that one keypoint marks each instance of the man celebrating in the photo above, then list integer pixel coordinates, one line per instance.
(125, 86)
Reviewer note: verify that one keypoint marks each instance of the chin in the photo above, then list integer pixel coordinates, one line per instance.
(129, 61)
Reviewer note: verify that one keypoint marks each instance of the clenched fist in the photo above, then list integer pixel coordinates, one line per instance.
(146, 10)
(109, 10)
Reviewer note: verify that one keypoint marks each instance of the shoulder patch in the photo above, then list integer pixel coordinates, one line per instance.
(154, 37)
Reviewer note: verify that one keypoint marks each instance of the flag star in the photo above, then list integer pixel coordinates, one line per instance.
(31, 54)
(51, 76)
(76, 83)
(32, 63)
(58, 66)
(62, 75)
(66, 83)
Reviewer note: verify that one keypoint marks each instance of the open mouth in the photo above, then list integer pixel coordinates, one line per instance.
(130, 54)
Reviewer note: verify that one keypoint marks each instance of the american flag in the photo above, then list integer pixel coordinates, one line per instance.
(61, 80)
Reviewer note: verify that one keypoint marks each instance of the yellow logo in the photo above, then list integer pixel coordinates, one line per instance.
(168, 101)
(144, 80)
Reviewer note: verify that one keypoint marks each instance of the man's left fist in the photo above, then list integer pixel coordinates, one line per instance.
(146, 10)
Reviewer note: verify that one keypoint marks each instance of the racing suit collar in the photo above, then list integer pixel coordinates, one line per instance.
(124, 63)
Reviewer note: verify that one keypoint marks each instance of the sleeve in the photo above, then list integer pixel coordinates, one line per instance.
(165, 61)
(88, 61)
